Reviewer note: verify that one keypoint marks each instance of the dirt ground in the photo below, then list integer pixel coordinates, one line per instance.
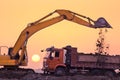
(37, 76)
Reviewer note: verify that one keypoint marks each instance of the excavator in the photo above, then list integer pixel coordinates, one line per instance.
(17, 55)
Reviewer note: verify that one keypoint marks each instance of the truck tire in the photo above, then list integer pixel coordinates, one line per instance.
(60, 71)
(109, 73)
(96, 72)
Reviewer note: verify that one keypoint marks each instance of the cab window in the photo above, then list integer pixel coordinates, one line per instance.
(57, 53)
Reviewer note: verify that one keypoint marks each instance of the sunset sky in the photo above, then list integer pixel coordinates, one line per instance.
(16, 14)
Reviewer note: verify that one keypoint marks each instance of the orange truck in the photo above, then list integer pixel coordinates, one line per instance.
(68, 60)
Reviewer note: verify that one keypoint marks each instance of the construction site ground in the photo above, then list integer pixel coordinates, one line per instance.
(38, 76)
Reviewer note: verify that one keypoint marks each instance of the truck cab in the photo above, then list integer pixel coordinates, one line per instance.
(59, 60)
(54, 58)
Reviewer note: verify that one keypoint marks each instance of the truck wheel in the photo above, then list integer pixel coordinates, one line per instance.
(110, 73)
(60, 71)
(96, 72)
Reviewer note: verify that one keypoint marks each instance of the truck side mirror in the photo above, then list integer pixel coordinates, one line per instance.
(42, 50)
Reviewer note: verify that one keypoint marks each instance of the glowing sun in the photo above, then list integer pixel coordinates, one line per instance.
(35, 58)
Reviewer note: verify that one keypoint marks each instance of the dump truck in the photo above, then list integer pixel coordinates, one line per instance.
(61, 61)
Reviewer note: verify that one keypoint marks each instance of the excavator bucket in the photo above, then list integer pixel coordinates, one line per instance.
(102, 23)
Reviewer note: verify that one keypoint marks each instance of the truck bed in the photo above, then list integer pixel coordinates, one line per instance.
(82, 60)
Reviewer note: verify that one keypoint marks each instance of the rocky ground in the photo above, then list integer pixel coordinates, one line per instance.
(38, 76)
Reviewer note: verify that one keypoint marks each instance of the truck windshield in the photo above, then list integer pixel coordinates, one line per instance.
(52, 54)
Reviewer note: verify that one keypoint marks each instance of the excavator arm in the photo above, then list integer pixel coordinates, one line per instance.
(41, 24)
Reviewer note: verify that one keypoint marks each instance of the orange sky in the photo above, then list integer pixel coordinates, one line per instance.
(16, 14)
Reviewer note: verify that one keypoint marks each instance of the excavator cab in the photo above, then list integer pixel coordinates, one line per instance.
(4, 50)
